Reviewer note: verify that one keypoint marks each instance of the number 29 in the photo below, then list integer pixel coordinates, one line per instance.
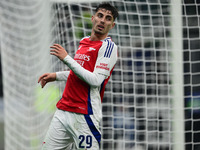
(85, 139)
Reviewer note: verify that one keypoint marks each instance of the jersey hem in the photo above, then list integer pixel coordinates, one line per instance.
(72, 109)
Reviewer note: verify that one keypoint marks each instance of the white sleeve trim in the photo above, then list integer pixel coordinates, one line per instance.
(62, 75)
(93, 79)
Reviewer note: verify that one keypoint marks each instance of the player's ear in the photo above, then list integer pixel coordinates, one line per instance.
(113, 25)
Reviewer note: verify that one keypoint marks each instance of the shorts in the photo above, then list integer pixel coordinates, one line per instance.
(68, 128)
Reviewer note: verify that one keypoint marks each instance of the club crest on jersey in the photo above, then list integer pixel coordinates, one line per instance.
(91, 49)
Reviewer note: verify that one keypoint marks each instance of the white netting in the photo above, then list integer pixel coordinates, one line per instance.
(25, 28)
(138, 105)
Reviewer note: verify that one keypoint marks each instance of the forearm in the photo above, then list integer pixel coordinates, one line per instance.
(93, 79)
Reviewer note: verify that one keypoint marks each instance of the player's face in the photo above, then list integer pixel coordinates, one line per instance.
(102, 21)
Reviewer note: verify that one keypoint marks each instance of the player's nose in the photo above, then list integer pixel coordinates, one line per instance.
(102, 20)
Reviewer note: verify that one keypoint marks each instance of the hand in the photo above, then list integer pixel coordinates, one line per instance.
(58, 51)
(47, 77)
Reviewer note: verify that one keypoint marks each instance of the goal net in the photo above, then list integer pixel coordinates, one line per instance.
(152, 101)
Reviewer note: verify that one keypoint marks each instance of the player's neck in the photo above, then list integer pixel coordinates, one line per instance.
(97, 37)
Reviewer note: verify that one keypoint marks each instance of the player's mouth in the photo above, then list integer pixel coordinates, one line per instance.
(100, 27)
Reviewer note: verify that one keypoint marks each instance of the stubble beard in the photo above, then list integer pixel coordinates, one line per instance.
(98, 32)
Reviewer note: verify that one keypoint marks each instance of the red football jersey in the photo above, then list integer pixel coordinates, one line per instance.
(95, 56)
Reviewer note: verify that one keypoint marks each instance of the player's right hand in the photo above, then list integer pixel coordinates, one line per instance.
(58, 51)
(45, 78)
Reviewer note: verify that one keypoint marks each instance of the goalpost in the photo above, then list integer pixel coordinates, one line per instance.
(151, 102)
(178, 78)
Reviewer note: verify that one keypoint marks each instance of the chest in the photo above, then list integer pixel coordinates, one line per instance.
(87, 54)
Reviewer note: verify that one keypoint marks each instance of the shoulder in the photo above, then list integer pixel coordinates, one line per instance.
(109, 43)
(85, 38)
(109, 47)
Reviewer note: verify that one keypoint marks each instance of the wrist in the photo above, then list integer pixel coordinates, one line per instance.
(63, 57)
(66, 59)
(58, 76)
(53, 76)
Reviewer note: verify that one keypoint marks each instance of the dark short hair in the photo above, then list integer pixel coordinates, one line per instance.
(109, 7)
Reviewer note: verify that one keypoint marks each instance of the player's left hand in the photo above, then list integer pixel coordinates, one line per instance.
(47, 77)
(58, 51)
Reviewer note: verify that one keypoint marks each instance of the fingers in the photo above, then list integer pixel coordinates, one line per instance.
(56, 46)
(43, 83)
(58, 51)
(55, 49)
(41, 77)
(54, 52)
(45, 78)
(42, 80)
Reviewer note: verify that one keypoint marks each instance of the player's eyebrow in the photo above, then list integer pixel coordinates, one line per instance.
(109, 15)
